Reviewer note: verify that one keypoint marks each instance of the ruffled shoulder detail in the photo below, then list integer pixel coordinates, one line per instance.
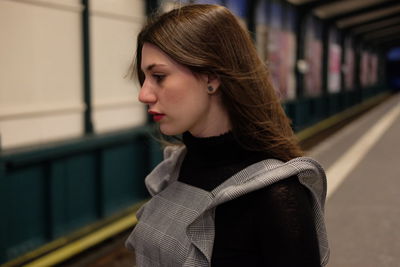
(260, 175)
(267, 172)
(166, 171)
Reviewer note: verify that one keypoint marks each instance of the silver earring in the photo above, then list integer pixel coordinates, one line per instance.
(210, 89)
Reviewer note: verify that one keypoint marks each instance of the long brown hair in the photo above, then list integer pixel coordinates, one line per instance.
(209, 39)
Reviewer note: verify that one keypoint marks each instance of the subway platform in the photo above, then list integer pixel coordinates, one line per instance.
(362, 211)
(362, 215)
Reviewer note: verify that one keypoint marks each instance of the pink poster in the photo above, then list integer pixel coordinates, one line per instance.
(262, 29)
(313, 81)
(334, 68)
(287, 79)
(274, 57)
(283, 71)
(291, 62)
(349, 66)
(262, 42)
(373, 69)
(364, 69)
(313, 57)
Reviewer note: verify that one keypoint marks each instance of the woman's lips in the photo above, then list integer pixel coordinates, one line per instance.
(156, 116)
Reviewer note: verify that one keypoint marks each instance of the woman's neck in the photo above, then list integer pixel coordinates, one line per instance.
(210, 161)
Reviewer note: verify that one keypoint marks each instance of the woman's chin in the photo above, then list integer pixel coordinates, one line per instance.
(170, 131)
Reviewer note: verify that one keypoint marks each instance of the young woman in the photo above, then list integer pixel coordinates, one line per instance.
(237, 191)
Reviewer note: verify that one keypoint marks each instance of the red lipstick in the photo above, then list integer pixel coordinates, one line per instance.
(156, 116)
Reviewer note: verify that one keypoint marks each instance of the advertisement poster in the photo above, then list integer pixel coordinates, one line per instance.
(262, 41)
(291, 63)
(274, 57)
(313, 56)
(290, 54)
(262, 30)
(364, 69)
(334, 68)
(373, 69)
(287, 84)
(275, 46)
(349, 66)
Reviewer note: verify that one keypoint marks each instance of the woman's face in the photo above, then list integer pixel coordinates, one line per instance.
(177, 99)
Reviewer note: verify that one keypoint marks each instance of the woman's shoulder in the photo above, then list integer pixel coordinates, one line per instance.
(282, 191)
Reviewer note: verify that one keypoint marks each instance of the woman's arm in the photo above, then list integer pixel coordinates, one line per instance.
(287, 231)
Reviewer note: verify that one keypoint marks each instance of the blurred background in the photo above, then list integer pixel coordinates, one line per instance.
(75, 143)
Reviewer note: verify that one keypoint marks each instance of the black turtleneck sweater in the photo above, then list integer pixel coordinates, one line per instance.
(272, 226)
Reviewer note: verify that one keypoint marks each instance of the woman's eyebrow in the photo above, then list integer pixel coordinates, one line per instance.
(151, 66)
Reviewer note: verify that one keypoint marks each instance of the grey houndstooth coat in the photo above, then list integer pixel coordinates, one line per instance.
(176, 227)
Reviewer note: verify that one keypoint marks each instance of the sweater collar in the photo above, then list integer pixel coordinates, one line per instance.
(216, 149)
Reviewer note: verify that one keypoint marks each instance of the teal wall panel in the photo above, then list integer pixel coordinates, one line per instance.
(55, 190)
(24, 211)
(334, 103)
(73, 193)
(124, 168)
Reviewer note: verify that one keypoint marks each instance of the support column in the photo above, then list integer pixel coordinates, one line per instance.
(88, 124)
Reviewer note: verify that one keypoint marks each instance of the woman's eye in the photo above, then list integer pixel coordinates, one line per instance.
(159, 77)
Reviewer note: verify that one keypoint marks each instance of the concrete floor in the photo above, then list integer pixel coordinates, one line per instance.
(363, 214)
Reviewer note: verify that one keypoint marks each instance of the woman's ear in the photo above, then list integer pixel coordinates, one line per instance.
(214, 81)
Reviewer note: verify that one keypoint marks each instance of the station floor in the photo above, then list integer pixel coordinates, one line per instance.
(362, 212)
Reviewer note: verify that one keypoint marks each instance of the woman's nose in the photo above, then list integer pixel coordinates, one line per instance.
(146, 94)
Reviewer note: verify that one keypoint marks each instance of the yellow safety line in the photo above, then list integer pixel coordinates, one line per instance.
(62, 241)
(34, 254)
(81, 244)
(329, 122)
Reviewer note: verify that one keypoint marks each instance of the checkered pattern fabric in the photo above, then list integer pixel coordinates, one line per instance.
(176, 227)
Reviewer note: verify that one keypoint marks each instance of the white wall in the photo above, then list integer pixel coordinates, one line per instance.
(40, 71)
(114, 27)
(41, 68)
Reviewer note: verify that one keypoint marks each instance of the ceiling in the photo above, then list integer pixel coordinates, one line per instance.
(374, 22)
